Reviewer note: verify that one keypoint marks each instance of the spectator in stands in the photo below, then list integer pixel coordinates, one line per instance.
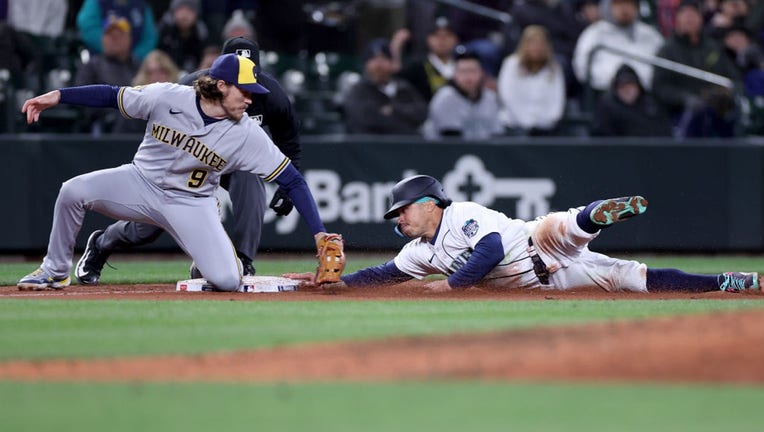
(38, 17)
(381, 103)
(729, 13)
(532, 85)
(623, 31)
(627, 109)
(587, 12)
(429, 74)
(738, 43)
(483, 36)
(749, 60)
(182, 35)
(209, 54)
(698, 108)
(116, 66)
(17, 55)
(157, 67)
(665, 12)
(464, 107)
(238, 26)
(558, 18)
(92, 14)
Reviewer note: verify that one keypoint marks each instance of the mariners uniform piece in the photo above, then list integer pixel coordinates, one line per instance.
(272, 111)
(474, 245)
(177, 167)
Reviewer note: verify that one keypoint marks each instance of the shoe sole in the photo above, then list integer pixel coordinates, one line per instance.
(612, 211)
(81, 262)
(55, 286)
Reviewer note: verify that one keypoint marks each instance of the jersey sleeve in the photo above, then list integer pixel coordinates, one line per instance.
(262, 157)
(138, 102)
(475, 222)
(413, 260)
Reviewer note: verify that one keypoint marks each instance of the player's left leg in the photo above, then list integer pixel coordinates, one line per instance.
(247, 192)
(91, 191)
(604, 213)
(561, 236)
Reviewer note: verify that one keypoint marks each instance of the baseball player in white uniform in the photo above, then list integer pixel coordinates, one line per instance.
(193, 136)
(474, 245)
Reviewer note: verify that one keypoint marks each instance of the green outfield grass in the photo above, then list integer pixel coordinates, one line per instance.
(420, 407)
(38, 329)
(54, 328)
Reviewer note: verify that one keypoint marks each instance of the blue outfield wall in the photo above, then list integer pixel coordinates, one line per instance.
(705, 195)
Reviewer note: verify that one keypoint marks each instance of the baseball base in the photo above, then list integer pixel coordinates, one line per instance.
(249, 284)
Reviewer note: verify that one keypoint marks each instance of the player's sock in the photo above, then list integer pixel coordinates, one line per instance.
(585, 222)
(664, 280)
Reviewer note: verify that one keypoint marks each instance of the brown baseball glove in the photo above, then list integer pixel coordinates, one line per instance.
(331, 258)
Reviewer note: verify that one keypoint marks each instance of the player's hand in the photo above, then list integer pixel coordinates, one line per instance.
(438, 286)
(33, 107)
(281, 203)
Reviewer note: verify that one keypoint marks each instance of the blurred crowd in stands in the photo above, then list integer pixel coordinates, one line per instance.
(681, 68)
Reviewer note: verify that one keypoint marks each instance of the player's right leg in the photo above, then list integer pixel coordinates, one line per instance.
(195, 225)
(101, 243)
(91, 191)
(661, 280)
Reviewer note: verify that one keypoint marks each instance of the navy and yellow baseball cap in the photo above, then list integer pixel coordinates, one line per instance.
(239, 71)
(243, 47)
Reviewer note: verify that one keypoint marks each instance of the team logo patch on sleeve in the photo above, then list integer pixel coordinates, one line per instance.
(470, 228)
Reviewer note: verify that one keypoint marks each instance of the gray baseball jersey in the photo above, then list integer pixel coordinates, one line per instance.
(176, 126)
(171, 180)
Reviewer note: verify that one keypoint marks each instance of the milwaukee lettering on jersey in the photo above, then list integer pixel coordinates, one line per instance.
(188, 144)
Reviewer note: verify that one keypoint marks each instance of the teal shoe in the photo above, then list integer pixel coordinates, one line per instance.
(615, 210)
(739, 281)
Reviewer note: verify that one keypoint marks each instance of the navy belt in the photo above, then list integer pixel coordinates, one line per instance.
(538, 264)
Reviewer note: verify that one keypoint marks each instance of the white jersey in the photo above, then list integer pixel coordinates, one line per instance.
(180, 152)
(557, 239)
(463, 225)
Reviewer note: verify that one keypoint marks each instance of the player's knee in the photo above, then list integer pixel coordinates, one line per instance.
(629, 276)
(225, 281)
(69, 192)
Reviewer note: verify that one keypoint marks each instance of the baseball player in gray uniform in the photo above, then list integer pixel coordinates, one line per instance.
(193, 136)
(273, 111)
(474, 245)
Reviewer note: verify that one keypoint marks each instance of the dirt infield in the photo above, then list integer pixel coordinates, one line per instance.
(719, 347)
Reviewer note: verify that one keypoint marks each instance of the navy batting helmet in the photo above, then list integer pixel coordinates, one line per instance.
(413, 188)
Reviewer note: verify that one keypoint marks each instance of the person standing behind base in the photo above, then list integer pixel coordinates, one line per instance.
(194, 135)
(474, 245)
(271, 110)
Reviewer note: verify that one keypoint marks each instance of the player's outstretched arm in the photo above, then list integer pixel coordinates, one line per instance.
(33, 107)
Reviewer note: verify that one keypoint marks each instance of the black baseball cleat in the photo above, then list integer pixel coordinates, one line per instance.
(194, 272)
(88, 270)
(247, 268)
